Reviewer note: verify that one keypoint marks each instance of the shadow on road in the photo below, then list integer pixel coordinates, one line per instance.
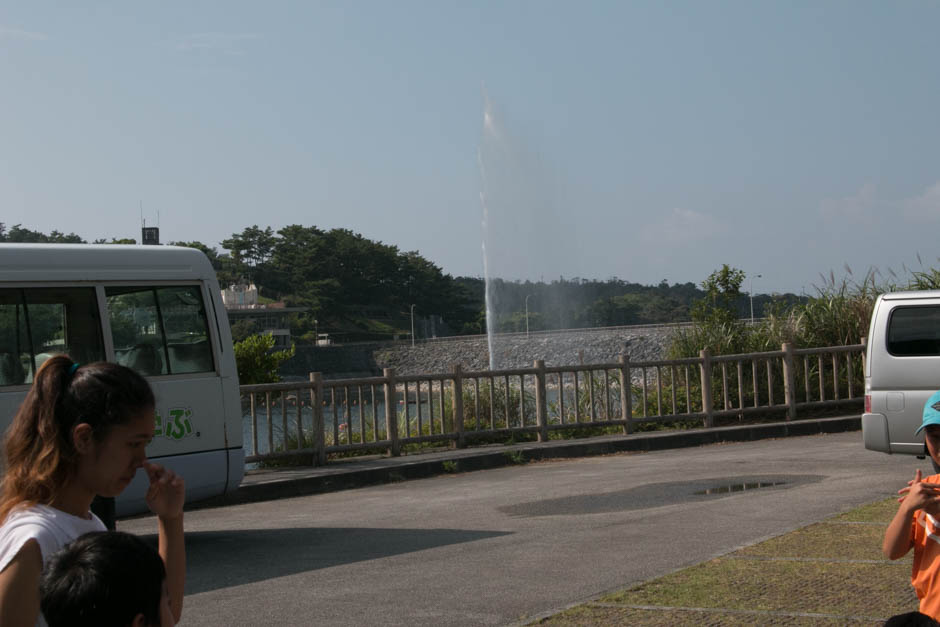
(220, 559)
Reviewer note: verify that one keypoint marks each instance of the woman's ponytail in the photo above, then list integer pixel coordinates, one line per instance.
(39, 453)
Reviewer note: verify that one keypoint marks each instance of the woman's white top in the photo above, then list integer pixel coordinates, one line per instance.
(49, 527)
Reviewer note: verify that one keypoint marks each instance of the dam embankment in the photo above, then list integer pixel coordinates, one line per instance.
(515, 350)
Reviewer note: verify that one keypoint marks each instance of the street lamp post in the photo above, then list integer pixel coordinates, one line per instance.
(751, 292)
(412, 324)
(527, 315)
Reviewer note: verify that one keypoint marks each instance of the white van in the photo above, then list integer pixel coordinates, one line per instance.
(157, 309)
(902, 369)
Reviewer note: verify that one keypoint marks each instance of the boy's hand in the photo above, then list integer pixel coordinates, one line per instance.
(167, 492)
(920, 495)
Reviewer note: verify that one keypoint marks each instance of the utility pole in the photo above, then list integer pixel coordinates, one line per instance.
(413, 324)
(751, 292)
(527, 315)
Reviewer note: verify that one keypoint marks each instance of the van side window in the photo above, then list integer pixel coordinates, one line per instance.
(914, 331)
(37, 323)
(160, 330)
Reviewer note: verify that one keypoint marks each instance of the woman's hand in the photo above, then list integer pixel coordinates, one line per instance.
(165, 498)
(167, 492)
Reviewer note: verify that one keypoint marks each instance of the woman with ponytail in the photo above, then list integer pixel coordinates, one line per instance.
(81, 431)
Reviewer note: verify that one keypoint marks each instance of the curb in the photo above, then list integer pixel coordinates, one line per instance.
(344, 475)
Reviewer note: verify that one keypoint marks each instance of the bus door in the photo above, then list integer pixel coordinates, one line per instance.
(162, 331)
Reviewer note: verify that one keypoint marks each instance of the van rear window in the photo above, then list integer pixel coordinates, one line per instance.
(914, 331)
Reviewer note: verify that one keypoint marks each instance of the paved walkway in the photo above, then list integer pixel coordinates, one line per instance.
(491, 548)
(261, 485)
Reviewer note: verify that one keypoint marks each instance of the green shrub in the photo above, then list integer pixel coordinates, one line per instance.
(498, 405)
(256, 360)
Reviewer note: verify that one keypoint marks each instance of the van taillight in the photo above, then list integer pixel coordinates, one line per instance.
(868, 403)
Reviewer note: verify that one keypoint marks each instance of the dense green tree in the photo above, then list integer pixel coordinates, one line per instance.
(208, 251)
(250, 248)
(114, 240)
(18, 234)
(242, 329)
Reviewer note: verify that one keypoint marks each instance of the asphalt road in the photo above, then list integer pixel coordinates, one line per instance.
(494, 547)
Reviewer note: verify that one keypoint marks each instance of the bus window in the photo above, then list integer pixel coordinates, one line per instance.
(160, 330)
(187, 331)
(14, 342)
(136, 329)
(36, 324)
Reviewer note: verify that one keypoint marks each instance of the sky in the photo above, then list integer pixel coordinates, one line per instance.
(647, 141)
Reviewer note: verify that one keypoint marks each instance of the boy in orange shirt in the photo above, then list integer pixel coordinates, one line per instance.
(917, 522)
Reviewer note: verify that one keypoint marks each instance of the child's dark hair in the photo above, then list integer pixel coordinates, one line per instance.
(40, 454)
(103, 578)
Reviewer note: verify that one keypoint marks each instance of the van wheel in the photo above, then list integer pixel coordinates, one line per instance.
(103, 508)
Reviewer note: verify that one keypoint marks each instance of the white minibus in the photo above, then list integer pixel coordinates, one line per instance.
(902, 369)
(157, 309)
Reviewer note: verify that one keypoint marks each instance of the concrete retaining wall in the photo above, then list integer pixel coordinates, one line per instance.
(513, 351)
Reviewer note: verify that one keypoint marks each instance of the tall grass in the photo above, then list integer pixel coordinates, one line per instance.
(838, 315)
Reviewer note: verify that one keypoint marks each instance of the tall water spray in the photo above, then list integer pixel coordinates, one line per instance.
(525, 236)
(488, 293)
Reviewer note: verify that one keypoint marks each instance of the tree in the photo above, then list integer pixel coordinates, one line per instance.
(243, 329)
(208, 251)
(257, 361)
(18, 234)
(251, 248)
(722, 294)
(114, 240)
(718, 326)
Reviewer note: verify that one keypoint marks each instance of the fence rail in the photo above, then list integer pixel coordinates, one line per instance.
(318, 417)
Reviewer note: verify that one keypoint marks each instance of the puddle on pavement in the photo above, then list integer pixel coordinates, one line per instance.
(658, 494)
(741, 487)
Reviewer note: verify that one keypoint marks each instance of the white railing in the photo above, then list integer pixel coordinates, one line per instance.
(315, 418)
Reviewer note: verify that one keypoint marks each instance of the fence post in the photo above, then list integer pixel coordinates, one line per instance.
(706, 356)
(626, 395)
(789, 380)
(316, 403)
(460, 442)
(541, 410)
(391, 413)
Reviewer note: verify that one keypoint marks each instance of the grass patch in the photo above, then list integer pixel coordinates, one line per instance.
(844, 589)
(827, 573)
(590, 615)
(836, 541)
(880, 511)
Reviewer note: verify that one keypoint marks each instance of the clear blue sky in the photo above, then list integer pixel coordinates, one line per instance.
(658, 140)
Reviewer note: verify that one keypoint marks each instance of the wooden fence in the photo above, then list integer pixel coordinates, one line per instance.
(314, 418)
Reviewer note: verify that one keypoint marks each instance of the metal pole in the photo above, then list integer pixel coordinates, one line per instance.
(527, 315)
(751, 293)
(413, 324)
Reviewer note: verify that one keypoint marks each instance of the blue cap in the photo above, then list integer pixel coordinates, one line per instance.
(931, 411)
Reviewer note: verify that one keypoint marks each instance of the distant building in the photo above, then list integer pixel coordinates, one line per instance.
(241, 304)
